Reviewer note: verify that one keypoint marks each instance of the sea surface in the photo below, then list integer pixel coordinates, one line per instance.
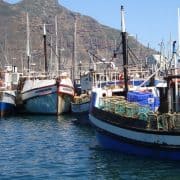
(50, 147)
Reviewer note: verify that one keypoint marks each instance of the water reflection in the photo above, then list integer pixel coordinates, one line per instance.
(110, 165)
(51, 147)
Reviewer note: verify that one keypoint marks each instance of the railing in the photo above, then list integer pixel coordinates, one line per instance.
(100, 79)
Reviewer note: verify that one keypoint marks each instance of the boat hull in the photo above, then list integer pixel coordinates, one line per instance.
(159, 145)
(80, 107)
(45, 104)
(6, 109)
(7, 103)
(120, 144)
(40, 100)
(46, 100)
(81, 111)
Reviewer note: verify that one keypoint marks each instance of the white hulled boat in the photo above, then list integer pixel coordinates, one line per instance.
(42, 94)
(47, 96)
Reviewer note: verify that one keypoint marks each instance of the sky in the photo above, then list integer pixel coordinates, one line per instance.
(150, 21)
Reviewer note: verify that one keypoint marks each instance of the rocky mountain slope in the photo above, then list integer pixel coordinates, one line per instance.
(90, 35)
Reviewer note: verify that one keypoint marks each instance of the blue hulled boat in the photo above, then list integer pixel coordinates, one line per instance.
(7, 102)
(80, 108)
(133, 128)
(8, 83)
(140, 122)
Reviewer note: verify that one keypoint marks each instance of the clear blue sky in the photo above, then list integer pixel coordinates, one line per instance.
(152, 21)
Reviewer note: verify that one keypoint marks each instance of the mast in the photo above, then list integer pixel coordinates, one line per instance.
(28, 42)
(51, 57)
(74, 66)
(6, 49)
(56, 55)
(45, 50)
(175, 73)
(175, 65)
(178, 32)
(125, 53)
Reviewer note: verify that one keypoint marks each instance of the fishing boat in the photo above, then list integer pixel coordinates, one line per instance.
(134, 128)
(8, 84)
(80, 104)
(47, 96)
(43, 94)
(81, 99)
(80, 107)
(138, 123)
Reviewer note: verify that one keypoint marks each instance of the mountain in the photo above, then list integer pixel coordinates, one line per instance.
(91, 36)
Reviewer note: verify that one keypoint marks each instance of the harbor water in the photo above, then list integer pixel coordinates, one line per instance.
(50, 147)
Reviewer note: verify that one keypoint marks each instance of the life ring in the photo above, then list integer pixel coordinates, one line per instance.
(112, 65)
